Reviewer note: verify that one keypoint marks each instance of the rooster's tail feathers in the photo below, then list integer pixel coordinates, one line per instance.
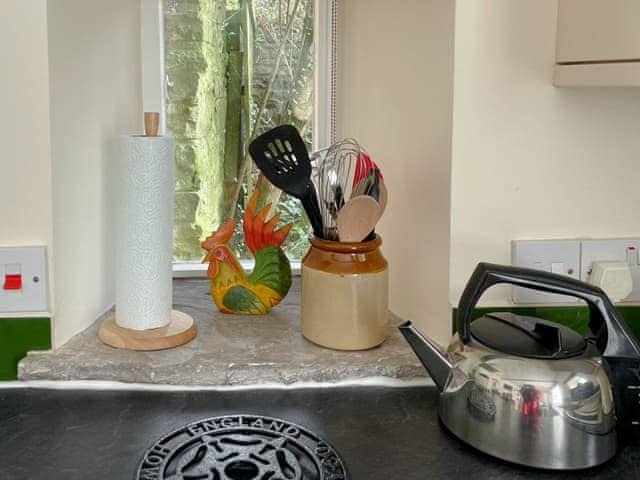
(259, 232)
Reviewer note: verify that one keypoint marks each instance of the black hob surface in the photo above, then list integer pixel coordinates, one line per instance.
(373, 432)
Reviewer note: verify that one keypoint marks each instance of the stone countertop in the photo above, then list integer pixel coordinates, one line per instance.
(229, 350)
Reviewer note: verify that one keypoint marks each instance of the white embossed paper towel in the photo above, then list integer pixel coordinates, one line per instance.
(144, 231)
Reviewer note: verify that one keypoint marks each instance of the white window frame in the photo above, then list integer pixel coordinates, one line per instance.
(154, 86)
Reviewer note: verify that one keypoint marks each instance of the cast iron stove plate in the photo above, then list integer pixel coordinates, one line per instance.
(241, 447)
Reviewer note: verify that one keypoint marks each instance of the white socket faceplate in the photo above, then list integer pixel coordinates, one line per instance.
(31, 264)
(553, 256)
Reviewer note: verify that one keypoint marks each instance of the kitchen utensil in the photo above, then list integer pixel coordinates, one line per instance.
(363, 165)
(335, 182)
(367, 184)
(359, 187)
(382, 196)
(332, 200)
(282, 157)
(372, 187)
(358, 218)
(376, 189)
(531, 391)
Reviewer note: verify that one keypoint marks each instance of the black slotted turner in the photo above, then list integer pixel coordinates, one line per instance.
(282, 157)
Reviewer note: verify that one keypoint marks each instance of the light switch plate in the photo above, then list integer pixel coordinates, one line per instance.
(31, 264)
(557, 256)
(611, 250)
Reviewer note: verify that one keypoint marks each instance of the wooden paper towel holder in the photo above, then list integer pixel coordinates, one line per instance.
(180, 330)
(181, 327)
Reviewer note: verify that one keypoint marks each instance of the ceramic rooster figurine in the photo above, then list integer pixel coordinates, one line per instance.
(231, 289)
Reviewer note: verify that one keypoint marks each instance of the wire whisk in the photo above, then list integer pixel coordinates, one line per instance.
(334, 181)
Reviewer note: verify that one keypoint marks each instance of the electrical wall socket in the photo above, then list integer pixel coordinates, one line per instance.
(612, 250)
(23, 280)
(556, 256)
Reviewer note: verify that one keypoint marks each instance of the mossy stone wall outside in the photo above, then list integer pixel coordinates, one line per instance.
(195, 64)
(234, 70)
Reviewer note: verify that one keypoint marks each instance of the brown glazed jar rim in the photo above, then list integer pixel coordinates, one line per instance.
(346, 247)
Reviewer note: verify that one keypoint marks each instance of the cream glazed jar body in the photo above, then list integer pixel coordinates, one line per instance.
(344, 302)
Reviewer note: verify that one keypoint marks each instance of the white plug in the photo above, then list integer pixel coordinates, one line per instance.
(613, 277)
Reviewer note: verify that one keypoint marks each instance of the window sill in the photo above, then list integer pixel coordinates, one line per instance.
(230, 350)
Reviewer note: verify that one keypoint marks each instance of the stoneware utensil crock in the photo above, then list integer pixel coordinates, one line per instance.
(344, 294)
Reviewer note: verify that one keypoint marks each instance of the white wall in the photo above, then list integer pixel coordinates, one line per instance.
(25, 162)
(94, 59)
(530, 160)
(395, 97)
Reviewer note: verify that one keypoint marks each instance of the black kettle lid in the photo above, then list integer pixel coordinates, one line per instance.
(525, 336)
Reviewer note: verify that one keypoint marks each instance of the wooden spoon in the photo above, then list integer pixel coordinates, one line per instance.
(358, 218)
(382, 196)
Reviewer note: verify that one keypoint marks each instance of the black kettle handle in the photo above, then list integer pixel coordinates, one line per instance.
(615, 338)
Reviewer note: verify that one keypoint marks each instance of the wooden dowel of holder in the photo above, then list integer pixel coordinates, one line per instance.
(151, 123)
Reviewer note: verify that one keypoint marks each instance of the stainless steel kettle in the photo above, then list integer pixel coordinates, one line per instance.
(531, 391)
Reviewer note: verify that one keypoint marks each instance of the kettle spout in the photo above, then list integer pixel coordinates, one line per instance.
(429, 354)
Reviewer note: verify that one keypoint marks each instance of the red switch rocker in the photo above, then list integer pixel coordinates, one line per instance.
(12, 281)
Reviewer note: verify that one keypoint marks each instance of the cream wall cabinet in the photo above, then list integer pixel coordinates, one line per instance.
(598, 43)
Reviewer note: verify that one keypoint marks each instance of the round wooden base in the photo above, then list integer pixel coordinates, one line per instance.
(180, 330)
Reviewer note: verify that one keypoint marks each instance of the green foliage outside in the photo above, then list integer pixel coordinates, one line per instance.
(235, 68)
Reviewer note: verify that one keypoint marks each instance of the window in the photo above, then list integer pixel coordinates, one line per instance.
(222, 72)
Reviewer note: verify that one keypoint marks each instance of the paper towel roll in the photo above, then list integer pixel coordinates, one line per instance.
(144, 231)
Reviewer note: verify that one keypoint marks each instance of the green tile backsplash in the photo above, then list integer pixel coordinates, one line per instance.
(17, 337)
(20, 335)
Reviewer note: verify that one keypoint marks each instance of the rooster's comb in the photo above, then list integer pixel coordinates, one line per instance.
(221, 236)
